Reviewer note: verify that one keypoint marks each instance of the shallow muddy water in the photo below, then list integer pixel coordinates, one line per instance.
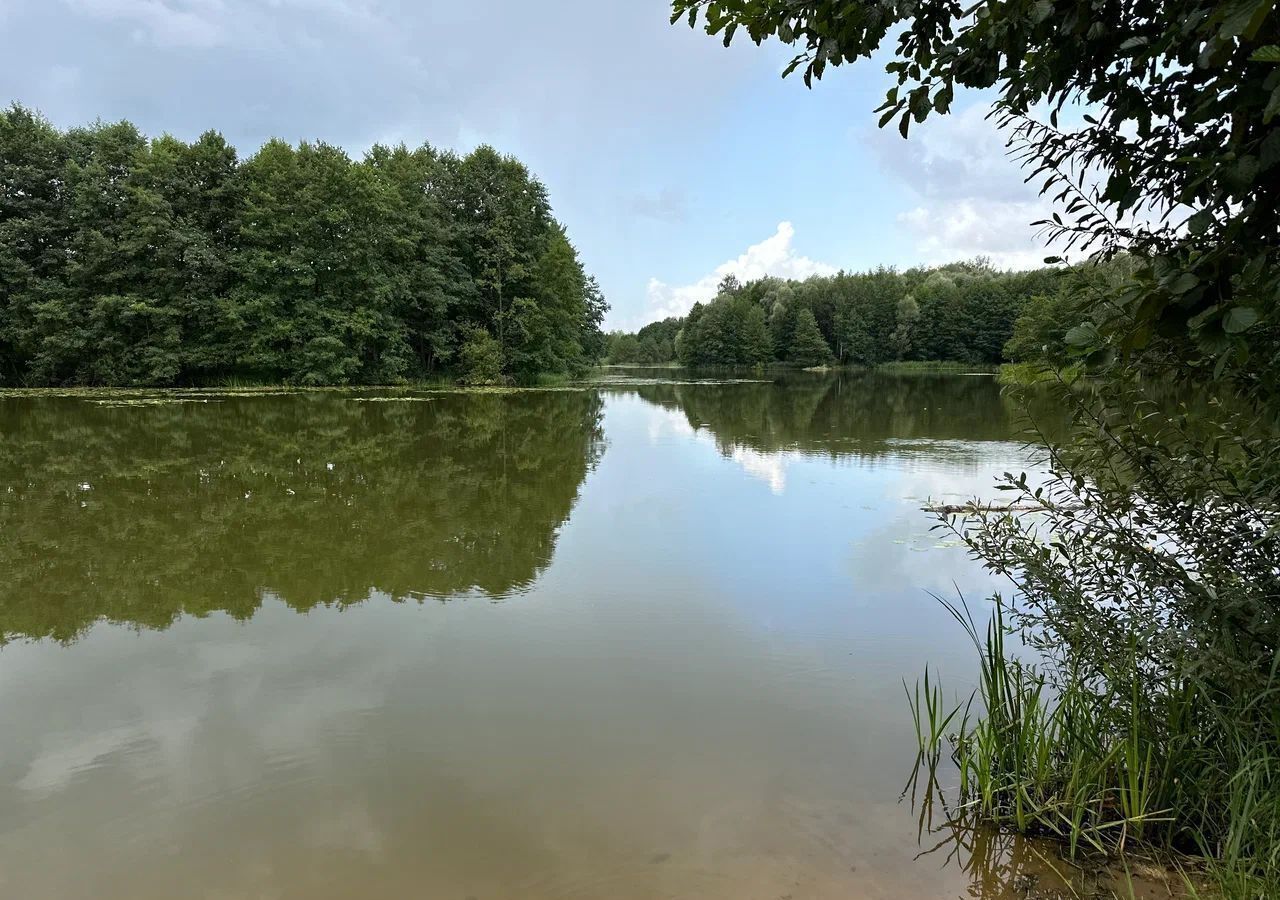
(643, 639)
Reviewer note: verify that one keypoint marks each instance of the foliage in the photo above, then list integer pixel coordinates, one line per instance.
(729, 331)
(654, 343)
(1041, 331)
(963, 312)
(808, 347)
(595, 343)
(1173, 157)
(129, 261)
(479, 358)
(1146, 580)
(903, 339)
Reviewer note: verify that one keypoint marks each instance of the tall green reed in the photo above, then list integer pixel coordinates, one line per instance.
(1111, 764)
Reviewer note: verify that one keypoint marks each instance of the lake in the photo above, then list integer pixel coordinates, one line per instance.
(643, 638)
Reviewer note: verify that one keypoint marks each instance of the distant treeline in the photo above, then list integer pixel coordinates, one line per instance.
(128, 260)
(964, 312)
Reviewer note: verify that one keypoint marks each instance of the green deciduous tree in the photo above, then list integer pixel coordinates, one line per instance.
(729, 331)
(125, 260)
(34, 234)
(545, 334)
(1179, 132)
(964, 312)
(906, 331)
(421, 252)
(480, 357)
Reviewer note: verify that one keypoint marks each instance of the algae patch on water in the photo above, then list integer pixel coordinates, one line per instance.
(392, 399)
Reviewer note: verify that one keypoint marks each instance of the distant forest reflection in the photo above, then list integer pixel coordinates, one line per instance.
(858, 413)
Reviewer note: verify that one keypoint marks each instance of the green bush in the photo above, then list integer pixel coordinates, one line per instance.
(1148, 586)
(480, 358)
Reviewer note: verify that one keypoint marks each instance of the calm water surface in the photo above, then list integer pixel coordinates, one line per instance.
(641, 640)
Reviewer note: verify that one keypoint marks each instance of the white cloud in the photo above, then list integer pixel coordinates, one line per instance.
(771, 468)
(174, 23)
(973, 226)
(974, 198)
(773, 256)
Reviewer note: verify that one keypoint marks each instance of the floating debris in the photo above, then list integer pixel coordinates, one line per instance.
(393, 399)
(149, 401)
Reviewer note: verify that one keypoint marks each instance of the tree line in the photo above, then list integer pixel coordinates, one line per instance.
(963, 312)
(133, 260)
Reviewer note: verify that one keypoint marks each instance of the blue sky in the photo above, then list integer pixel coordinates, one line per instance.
(671, 159)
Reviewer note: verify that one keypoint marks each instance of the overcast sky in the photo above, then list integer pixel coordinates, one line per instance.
(671, 160)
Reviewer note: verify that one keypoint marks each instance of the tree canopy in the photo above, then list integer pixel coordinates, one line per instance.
(1153, 122)
(963, 312)
(128, 260)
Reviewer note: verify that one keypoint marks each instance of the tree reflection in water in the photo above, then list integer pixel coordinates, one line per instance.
(138, 514)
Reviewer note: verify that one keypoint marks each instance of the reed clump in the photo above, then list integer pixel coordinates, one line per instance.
(1128, 691)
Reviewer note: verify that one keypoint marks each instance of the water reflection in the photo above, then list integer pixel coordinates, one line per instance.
(860, 413)
(698, 694)
(137, 513)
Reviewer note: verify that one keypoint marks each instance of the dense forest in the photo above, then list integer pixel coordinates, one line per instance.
(128, 260)
(964, 312)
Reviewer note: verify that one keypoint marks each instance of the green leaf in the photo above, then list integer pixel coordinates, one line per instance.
(1185, 282)
(1269, 53)
(1200, 222)
(1082, 335)
(1197, 321)
(1273, 106)
(1270, 153)
(1243, 18)
(1261, 9)
(1222, 365)
(1246, 170)
(1239, 319)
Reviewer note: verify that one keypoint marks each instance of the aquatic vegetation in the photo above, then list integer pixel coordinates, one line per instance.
(1144, 713)
(392, 399)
